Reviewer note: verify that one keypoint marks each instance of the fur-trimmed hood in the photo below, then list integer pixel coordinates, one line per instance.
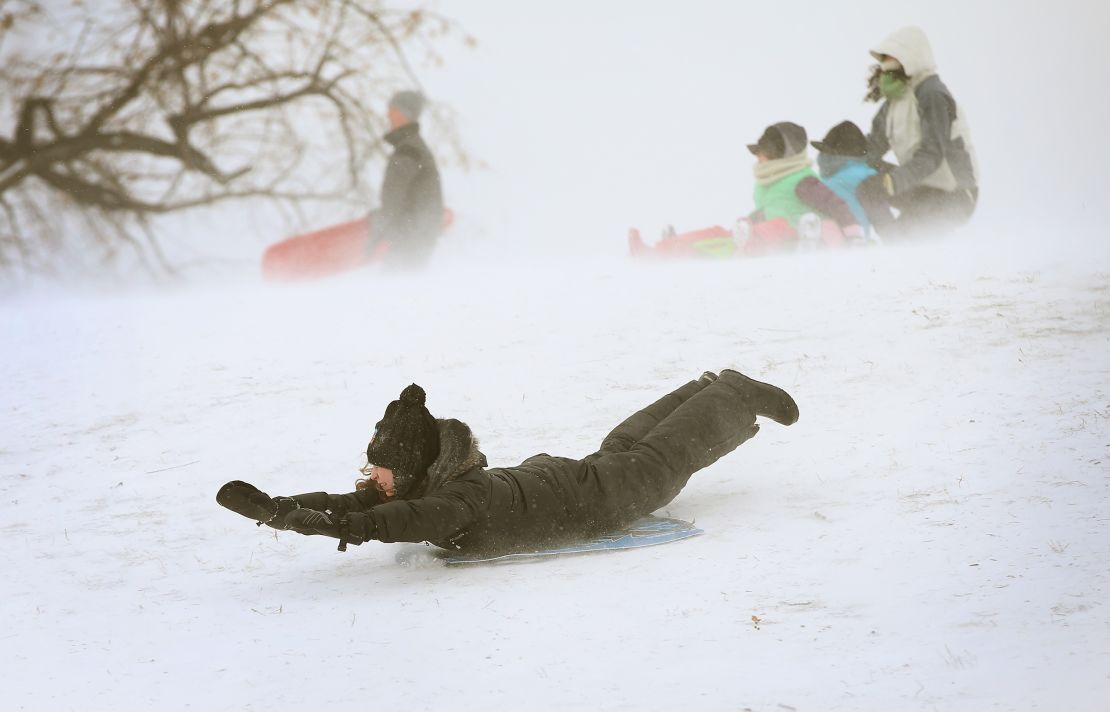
(458, 454)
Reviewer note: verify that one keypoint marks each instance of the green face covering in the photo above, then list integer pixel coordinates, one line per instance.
(892, 87)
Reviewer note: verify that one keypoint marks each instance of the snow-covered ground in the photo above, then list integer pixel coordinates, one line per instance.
(933, 534)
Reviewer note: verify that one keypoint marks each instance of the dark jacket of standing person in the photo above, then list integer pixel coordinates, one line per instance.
(410, 218)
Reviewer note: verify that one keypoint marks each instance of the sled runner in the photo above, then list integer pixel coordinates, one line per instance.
(648, 531)
(329, 251)
(746, 239)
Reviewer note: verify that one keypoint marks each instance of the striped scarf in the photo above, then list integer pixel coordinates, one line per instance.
(768, 172)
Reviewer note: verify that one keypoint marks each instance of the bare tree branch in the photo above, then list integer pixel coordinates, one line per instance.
(151, 107)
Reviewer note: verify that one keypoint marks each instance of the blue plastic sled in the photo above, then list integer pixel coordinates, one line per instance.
(648, 531)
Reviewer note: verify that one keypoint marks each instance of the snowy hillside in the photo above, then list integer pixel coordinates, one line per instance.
(933, 534)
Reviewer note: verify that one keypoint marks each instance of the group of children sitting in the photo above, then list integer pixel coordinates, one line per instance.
(787, 188)
(933, 189)
(794, 204)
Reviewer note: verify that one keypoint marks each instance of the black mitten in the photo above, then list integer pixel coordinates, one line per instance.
(248, 500)
(309, 522)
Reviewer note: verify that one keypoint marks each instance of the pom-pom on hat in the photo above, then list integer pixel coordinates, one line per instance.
(406, 439)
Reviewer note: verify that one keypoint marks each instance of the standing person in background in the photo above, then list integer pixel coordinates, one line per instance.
(935, 184)
(410, 218)
(842, 163)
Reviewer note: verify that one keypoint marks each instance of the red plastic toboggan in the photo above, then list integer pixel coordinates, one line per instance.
(325, 252)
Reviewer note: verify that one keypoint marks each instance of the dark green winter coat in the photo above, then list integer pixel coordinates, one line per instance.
(545, 501)
(465, 507)
(410, 218)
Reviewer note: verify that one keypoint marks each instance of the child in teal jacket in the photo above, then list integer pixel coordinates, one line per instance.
(842, 162)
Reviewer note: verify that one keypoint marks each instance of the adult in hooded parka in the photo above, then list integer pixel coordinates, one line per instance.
(934, 185)
(426, 479)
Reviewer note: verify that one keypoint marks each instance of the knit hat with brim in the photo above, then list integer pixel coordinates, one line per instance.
(406, 440)
(780, 140)
(844, 139)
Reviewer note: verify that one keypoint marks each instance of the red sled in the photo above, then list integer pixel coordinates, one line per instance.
(326, 252)
(746, 240)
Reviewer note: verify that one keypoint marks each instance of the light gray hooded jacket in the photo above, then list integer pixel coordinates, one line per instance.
(924, 127)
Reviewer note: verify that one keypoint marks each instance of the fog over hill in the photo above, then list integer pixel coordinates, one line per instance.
(931, 535)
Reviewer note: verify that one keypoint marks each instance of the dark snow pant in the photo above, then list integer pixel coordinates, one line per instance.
(921, 211)
(412, 252)
(646, 460)
(407, 250)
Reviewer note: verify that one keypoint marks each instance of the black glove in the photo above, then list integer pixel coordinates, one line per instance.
(310, 522)
(246, 499)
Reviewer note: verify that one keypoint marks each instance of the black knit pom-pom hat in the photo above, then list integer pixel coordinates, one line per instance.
(406, 439)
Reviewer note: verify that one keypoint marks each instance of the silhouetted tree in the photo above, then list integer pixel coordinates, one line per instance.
(139, 108)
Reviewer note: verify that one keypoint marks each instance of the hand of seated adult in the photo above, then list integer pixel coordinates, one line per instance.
(882, 166)
(879, 184)
(888, 183)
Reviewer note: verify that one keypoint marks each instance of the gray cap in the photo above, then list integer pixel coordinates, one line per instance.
(409, 103)
(780, 140)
